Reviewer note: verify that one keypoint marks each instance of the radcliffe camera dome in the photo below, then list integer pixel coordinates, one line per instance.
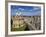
(18, 13)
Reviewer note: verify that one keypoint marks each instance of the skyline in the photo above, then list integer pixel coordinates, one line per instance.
(25, 10)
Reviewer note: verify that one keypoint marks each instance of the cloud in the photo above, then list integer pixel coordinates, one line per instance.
(36, 8)
(27, 11)
(37, 13)
(30, 10)
(21, 9)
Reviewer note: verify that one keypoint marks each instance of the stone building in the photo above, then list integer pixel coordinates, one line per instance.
(33, 22)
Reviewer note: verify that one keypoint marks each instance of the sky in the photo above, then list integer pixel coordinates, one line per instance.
(25, 10)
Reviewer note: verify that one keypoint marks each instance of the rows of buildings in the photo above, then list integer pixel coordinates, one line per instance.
(33, 22)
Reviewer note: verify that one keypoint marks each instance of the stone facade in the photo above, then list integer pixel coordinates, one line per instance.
(33, 22)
